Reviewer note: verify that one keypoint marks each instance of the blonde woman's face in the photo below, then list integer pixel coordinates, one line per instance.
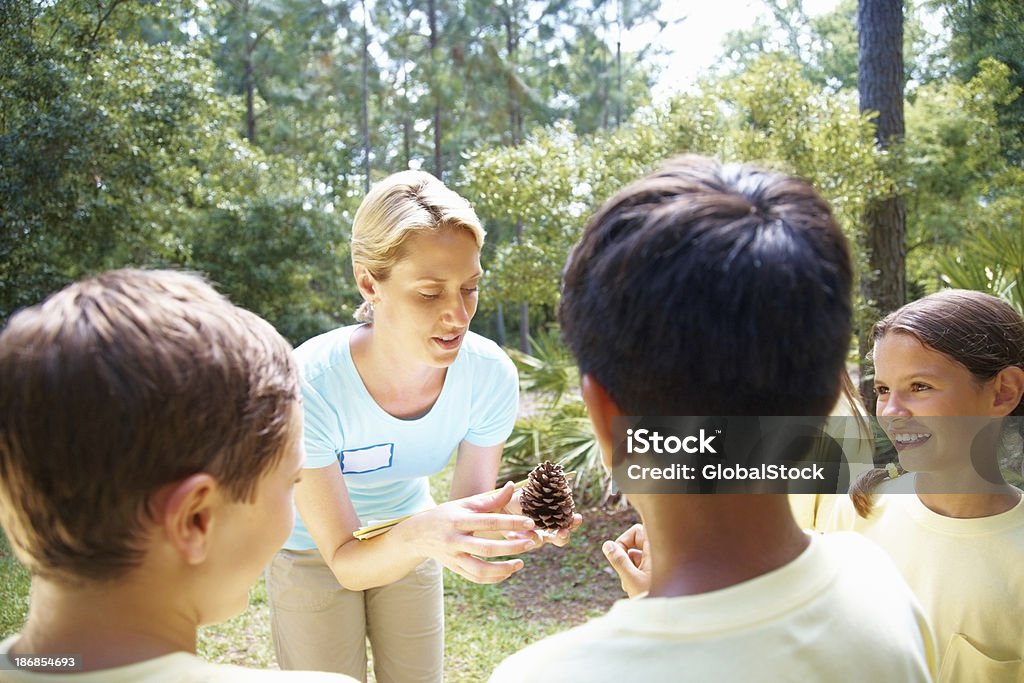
(430, 296)
(930, 406)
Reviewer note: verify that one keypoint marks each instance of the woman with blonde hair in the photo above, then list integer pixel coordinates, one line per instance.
(386, 403)
(949, 374)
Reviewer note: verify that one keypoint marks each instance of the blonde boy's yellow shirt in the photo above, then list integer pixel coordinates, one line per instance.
(179, 667)
(819, 618)
(967, 573)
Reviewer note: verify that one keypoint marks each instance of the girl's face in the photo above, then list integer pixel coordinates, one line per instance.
(914, 383)
(426, 303)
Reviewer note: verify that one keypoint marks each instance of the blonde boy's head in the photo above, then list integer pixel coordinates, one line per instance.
(117, 386)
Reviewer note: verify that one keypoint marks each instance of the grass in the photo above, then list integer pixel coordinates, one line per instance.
(243, 640)
(558, 588)
(14, 585)
(480, 629)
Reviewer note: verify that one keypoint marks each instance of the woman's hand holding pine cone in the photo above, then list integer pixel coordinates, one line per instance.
(459, 533)
(547, 499)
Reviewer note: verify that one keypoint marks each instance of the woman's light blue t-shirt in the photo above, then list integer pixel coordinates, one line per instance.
(386, 460)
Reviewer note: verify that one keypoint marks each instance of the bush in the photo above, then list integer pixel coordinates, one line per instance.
(559, 429)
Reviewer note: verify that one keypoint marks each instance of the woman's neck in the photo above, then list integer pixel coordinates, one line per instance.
(403, 388)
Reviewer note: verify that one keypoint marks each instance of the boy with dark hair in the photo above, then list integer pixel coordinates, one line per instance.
(150, 438)
(706, 289)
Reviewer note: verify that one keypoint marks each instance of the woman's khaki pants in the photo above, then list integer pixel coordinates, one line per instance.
(317, 625)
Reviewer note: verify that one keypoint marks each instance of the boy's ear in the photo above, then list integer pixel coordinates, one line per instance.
(602, 409)
(365, 281)
(185, 511)
(1009, 387)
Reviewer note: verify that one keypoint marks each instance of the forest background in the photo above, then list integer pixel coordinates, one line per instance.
(237, 137)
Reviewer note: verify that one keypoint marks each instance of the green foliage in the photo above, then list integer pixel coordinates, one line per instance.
(556, 177)
(225, 136)
(837, 37)
(604, 86)
(951, 168)
(305, 108)
(963, 195)
(826, 45)
(990, 29)
(953, 138)
(529, 183)
(125, 158)
(558, 429)
(960, 134)
(991, 256)
(550, 373)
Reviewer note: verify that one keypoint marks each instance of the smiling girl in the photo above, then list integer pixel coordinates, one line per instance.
(949, 374)
(386, 404)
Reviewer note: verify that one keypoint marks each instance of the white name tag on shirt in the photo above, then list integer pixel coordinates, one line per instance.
(367, 459)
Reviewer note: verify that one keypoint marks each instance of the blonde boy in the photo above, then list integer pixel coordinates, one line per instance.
(150, 437)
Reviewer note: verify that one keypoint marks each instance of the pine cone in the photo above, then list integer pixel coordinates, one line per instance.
(547, 498)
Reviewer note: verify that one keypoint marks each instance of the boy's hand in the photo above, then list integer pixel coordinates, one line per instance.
(630, 557)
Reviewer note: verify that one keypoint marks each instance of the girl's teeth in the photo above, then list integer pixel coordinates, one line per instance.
(907, 438)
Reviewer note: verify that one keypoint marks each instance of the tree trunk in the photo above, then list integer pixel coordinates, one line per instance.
(499, 322)
(406, 122)
(515, 124)
(524, 327)
(250, 106)
(618, 67)
(365, 94)
(515, 114)
(618, 84)
(435, 86)
(524, 308)
(249, 79)
(880, 83)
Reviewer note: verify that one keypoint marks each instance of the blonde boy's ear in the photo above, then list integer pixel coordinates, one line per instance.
(602, 409)
(185, 512)
(1009, 387)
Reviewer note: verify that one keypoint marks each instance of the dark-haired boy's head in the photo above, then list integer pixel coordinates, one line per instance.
(710, 289)
(117, 386)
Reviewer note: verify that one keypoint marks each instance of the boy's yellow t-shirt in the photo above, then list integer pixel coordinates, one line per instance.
(820, 617)
(179, 667)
